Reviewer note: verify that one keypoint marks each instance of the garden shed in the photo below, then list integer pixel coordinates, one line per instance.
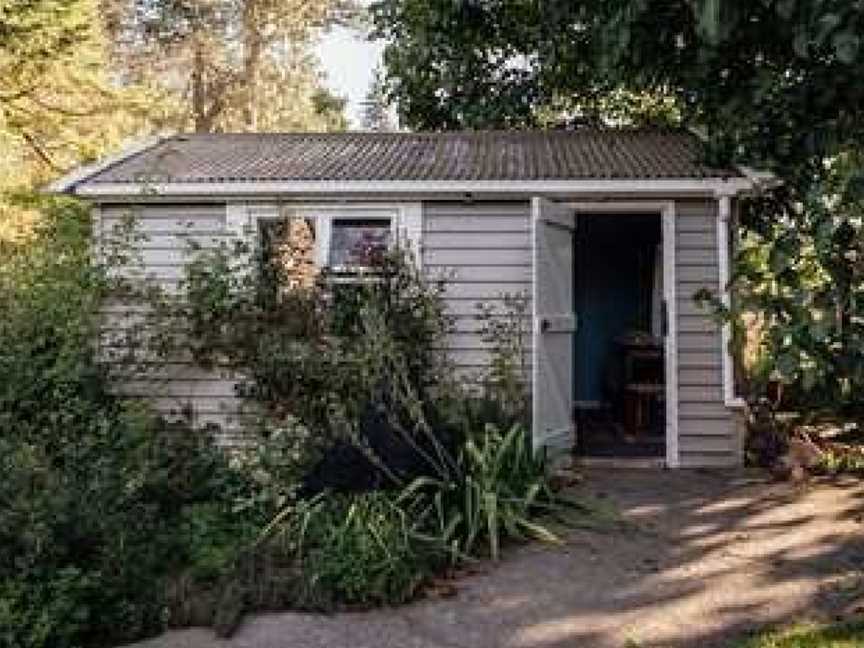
(610, 234)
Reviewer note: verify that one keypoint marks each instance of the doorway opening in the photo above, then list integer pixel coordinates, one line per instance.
(619, 357)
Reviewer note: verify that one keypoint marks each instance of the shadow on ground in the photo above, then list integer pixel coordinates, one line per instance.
(700, 558)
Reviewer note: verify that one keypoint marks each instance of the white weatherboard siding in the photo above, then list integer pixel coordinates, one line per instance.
(177, 385)
(484, 249)
(706, 428)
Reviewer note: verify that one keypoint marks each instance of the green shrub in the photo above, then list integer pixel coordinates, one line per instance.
(100, 501)
(500, 487)
(308, 352)
(379, 547)
(840, 635)
(319, 356)
(356, 549)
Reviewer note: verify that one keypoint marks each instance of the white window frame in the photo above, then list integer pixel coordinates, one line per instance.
(405, 222)
(324, 239)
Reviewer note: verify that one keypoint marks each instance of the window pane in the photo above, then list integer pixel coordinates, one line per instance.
(358, 241)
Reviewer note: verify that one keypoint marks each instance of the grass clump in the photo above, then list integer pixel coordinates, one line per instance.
(842, 635)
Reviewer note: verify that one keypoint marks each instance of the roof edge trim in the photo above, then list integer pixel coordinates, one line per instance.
(67, 183)
(701, 186)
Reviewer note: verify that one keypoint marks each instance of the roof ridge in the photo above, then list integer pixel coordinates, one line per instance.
(537, 132)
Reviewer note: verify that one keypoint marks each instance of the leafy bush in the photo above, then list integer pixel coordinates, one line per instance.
(506, 335)
(308, 352)
(99, 501)
(839, 635)
(361, 549)
(379, 547)
(500, 486)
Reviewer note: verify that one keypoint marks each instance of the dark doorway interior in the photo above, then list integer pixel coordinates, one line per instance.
(619, 368)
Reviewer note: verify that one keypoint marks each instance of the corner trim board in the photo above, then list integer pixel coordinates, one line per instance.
(724, 211)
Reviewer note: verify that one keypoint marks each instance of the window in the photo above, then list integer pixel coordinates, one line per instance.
(357, 243)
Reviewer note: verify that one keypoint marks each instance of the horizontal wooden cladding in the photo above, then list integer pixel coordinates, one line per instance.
(155, 218)
(437, 225)
(700, 342)
(689, 307)
(697, 324)
(695, 459)
(487, 273)
(687, 292)
(476, 357)
(704, 412)
(486, 240)
(703, 239)
(154, 258)
(699, 377)
(202, 404)
(483, 251)
(696, 257)
(483, 290)
(701, 359)
(707, 275)
(705, 207)
(469, 308)
(468, 323)
(699, 428)
(703, 228)
(476, 210)
(703, 444)
(179, 389)
(473, 257)
(183, 240)
(172, 371)
(473, 339)
(700, 394)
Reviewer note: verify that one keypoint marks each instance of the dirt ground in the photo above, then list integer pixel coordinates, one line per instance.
(698, 558)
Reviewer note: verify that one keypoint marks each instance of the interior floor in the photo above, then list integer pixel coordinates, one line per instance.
(600, 434)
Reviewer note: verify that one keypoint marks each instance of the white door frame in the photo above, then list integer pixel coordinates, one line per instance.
(666, 211)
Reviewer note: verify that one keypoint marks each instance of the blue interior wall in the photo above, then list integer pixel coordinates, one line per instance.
(610, 251)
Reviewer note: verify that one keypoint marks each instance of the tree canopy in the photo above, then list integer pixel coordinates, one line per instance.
(58, 103)
(236, 65)
(774, 84)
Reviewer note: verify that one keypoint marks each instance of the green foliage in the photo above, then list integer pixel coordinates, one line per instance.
(506, 336)
(99, 501)
(500, 487)
(327, 352)
(842, 458)
(380, 547)
(321, 354)
(771, 85)
(805, 271)
(509, 65)
(360, 549)
(231, 65)
(840, 635)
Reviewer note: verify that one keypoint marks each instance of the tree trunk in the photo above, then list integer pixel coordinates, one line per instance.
(251, 65)
(202, 123)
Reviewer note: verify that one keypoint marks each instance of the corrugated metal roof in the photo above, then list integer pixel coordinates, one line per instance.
(457, 156)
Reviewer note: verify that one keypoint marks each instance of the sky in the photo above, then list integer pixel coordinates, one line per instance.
(348, 60)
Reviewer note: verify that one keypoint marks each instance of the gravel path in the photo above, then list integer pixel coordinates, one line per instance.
(701, 557)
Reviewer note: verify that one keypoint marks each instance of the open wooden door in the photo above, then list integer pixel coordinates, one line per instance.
(553, 327)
